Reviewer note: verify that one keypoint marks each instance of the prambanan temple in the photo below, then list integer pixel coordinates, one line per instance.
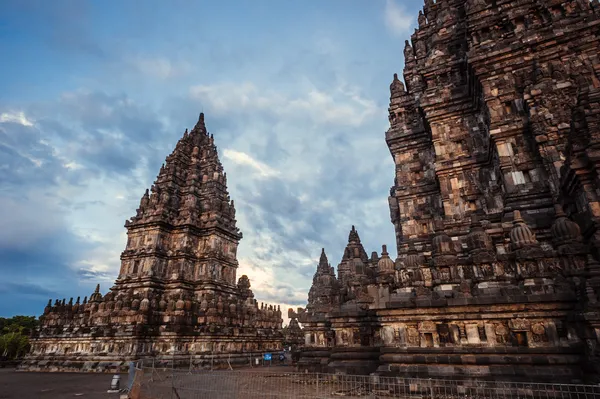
(176, 296)
(496, 141)
(495, 134)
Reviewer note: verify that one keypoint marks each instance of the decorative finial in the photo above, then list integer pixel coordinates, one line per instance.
(323, 261)
(558, 210)
(517, 217)
(353, 236)
(397, 87)
(200, 124)
(521, 235)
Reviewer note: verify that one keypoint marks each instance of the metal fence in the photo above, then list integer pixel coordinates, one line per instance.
(163, 383)
(215, 361)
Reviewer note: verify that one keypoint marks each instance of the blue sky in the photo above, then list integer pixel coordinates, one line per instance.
(95, 94)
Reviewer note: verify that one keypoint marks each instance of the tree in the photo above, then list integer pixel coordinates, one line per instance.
(14, 338)
(23, 324)
(14, 345)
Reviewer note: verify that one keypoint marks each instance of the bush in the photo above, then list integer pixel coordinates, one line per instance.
(14, 345)
(14, 338)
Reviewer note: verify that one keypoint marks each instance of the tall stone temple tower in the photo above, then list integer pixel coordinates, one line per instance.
(176, 296)
(495, 203)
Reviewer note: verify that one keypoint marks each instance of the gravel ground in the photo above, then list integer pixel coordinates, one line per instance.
(24, 385)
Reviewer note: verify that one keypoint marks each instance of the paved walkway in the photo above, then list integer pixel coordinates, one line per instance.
(24, 385)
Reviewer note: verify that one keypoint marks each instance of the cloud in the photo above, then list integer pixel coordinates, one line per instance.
(48, 197)
(30, 222)
(159, 67)
(397, 19)
(300, 166)
(342, 106)
(15, 117)
(32, 290)
(335, 173)
(242, 158)
(38, 255)
(103, 133)
(299, 121)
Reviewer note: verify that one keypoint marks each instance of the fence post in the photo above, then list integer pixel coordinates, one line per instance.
(431, 387)
(172, 376)
(317, 375)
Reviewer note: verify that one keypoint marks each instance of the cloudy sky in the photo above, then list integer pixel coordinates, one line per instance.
(95, 94)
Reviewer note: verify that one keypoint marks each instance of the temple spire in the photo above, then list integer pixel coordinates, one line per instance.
(323, 261)
(200, 126)
(397, 87)
(353, 236)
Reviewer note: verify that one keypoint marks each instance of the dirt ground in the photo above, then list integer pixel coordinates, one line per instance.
(24, 385)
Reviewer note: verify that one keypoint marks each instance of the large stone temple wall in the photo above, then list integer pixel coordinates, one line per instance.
(176, 296)
(495, 204)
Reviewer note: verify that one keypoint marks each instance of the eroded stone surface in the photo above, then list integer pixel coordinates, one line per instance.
(494, 203)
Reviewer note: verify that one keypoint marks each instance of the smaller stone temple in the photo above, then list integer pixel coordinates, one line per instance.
(176, 297)
(293, 335)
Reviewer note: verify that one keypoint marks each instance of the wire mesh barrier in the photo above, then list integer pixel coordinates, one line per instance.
(216, 361)
(163, 383)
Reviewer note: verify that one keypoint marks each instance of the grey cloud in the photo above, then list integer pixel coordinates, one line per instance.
(21, 148)
(352, 167)
(272, 208)
(107, 134)
(26, 289)
(278, 294)
(84, 204)
(40, 270)
(41, 253)
(94, 276)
